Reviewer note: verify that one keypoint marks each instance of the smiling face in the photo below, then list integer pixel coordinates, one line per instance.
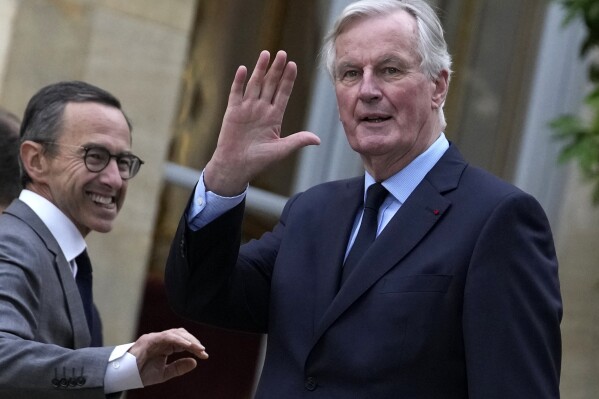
(91, 200)
(388, 106)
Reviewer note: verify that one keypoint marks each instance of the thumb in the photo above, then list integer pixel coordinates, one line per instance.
(298, 140)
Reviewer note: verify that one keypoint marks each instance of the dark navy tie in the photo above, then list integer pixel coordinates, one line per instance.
(84, 283)
(367, 233)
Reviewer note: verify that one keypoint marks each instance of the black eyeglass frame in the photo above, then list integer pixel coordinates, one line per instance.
(134, 165)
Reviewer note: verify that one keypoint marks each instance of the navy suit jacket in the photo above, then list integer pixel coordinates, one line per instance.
(458, 297)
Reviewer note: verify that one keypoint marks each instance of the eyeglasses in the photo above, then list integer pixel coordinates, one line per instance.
(97, 158)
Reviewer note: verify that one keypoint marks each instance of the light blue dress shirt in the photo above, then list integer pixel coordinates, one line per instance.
(401, 185)
(207, 206)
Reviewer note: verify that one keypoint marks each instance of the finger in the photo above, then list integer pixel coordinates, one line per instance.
(285, 87)
(197, 351)
(273, 76)
(254, 86)
(179, 367)
(184, 341)
(187, 336)
(236, 94)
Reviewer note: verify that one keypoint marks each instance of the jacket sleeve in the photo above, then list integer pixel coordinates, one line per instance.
(211, 279)
(512, 306)
(200, 262)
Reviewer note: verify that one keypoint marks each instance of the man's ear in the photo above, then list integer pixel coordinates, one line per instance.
(440, 91)
(34, 160)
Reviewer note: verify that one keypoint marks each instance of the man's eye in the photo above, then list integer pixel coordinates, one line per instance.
(96, 155)
(391, 71)
(125, 162)
(350, 75)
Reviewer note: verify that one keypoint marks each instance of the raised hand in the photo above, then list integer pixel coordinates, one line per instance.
(152, 351)
(250, 137)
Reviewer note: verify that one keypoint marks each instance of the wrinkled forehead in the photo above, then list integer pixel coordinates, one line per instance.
(395, 33)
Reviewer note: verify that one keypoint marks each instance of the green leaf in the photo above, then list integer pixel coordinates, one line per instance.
(581, 137)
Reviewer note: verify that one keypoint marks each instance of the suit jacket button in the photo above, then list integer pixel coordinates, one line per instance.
(310, 383)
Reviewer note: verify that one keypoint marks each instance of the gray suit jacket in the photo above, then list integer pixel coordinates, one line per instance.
(44, 337)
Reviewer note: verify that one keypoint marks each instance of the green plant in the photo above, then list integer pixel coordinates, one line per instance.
(581, 135)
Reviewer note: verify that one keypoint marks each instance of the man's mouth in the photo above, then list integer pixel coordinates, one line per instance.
(101, 199)
(375, 119)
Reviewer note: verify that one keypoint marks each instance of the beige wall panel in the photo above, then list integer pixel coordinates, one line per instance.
(8, 9)
(173, 13)
(49, 43)
(140, 61)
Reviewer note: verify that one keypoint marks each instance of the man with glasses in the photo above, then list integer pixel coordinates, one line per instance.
(50, 330)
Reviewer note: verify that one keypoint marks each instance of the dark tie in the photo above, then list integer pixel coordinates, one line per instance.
(374, 198)
(84, 283)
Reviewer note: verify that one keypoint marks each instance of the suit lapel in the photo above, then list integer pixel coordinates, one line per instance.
(81, 336)
(335, 232)
(416, 217)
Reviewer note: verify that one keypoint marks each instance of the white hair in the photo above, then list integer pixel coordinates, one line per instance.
(431, 45)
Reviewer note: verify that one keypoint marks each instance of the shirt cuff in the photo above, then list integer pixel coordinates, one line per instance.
(207, 206)
(122, 373)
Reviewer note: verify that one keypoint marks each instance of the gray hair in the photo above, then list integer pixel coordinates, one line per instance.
(431, 46)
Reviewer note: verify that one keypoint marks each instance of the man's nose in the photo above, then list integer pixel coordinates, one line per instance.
(111, 174)
(369, 87)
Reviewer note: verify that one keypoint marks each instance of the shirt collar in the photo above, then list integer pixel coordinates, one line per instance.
(401, 184)
(69, 239)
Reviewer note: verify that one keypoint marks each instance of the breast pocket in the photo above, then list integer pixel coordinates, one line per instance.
(416, 283)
